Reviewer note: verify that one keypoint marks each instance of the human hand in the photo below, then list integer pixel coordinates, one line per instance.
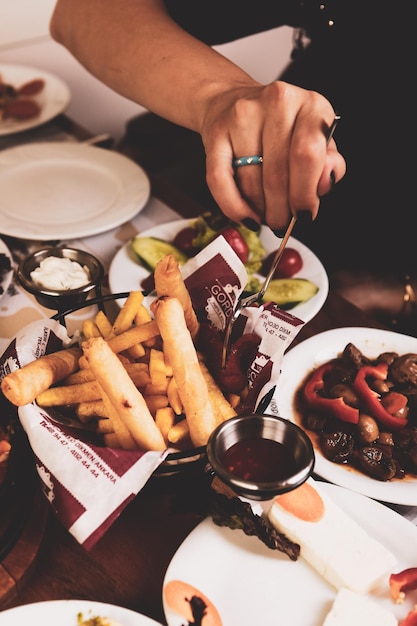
(288, 126)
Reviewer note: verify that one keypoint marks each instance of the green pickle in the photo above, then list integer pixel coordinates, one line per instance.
(150, 250)
(288, 292)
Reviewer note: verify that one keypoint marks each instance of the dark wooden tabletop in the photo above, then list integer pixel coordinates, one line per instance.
(128, 564)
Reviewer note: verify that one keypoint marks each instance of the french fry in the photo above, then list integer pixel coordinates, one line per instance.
(124, 358)
(234, 399)
(138, 372)
(142, 314)
(126, 316)
(137, 351)
(165, 420)
(179, 435)
(88, 410)
(156, 390)
(22, 386)
(134, 335)
(156, 402)
(81, 376)
(142, 317)
(90, 329)
(157, 370)
(129, 314)
(224, 409)
(126, 399)
(69, 394)
(168, 368)
(174, 398)
(104, 325)
(104, 426)
(169, 282)
(111, 440)
(181, 353)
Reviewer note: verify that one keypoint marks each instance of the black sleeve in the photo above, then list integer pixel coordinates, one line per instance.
(220, 21)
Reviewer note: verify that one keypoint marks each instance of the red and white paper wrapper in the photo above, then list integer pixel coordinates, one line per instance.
(88, 485)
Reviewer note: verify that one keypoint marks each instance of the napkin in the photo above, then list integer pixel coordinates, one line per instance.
(88, 485)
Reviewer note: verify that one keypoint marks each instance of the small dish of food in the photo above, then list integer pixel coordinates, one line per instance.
(29, 97)
(260, 456)
(300, 283)
(352, 390)
(60, 278)
(74, 613)
(301, 590)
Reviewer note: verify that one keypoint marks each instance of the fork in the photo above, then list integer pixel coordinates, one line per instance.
(243, 303)
(255, 297)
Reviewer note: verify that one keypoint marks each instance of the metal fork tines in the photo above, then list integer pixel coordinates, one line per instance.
(253, 298)
(257, 297)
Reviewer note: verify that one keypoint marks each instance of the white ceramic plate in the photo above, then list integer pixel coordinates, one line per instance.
(251, 584)
(313, 352)
(53, 99)
(5, 277)
(126, 274)
(64, 613)
(60, 190)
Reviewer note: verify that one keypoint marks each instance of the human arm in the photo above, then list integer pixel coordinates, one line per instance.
(134, 47)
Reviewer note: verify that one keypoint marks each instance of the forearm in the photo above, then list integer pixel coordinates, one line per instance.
(137, 50)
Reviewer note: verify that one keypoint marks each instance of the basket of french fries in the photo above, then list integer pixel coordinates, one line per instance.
(136, 393)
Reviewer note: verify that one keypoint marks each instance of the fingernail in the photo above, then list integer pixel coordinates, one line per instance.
(251, 224)
(279, 232)
(332, 179)
(304, 217)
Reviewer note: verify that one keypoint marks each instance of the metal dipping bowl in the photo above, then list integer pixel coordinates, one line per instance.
(61, 300)
(296, 464)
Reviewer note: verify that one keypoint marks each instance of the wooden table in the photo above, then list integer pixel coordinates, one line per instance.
(127, 566)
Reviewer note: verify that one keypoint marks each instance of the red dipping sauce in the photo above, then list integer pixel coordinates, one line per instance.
(259, 460)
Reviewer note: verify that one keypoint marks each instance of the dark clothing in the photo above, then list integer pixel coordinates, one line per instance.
(360, 57)
(221, 21)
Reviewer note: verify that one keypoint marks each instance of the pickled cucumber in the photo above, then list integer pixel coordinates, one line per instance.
(150, 250)
(288, 292)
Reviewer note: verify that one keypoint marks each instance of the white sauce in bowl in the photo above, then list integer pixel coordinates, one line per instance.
(59, 274)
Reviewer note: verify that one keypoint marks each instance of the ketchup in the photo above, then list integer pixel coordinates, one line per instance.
(259, 460)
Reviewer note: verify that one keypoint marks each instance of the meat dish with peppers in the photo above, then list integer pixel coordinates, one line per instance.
(362, 412)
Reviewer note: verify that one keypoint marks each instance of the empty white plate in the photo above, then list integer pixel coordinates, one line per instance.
(60, 190)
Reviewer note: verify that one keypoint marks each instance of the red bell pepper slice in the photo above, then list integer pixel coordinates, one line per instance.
(401, 582)
(372, 399)
(336, 407)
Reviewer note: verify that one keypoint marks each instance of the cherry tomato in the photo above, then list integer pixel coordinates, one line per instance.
(236, 241)
(183, 240)
(289, 264)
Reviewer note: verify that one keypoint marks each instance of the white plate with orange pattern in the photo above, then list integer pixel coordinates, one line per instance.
(250, 584)
(67, 613)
